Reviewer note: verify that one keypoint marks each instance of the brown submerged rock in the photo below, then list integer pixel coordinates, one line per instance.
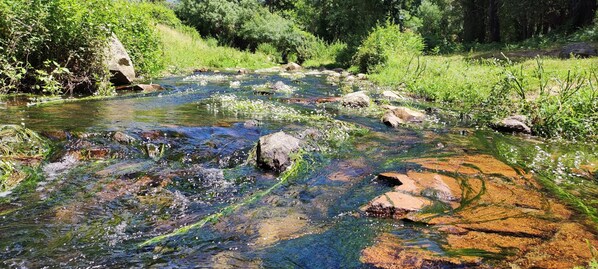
(500, 210)
(396, 205)
(391, 252)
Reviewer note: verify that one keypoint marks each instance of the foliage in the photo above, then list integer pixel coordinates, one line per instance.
(559, 97)
(188, 51)
(19, 147)
(246, 24)
(386, 42)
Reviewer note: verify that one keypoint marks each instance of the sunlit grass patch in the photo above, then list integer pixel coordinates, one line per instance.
(184, 50)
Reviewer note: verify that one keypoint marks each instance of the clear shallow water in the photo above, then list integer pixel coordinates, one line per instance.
(96, 212)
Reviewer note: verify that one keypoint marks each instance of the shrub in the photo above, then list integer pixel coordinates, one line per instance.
(386, 41)
(52, 46)
(246, 24)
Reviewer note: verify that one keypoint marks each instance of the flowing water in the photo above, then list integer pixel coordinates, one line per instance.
(187, 156)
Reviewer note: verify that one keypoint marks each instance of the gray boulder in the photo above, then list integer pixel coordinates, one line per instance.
(513, 124)
(274, 150)
(356, 99)
(583, 50)
(119, 63)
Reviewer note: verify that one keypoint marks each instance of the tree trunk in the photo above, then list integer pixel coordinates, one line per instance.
(493, 21)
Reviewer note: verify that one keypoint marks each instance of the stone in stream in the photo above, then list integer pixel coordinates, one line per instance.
(392, 120)
(408, 114)
(119, 63)
(148, 87)
(513, 124)
(123, 138)
(274, 151)
(395, 205)
(356, 99)
(390, 95)
(279, 86)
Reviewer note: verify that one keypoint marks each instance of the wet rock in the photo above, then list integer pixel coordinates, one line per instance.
(119, 63)
(148, 87)
(392, 120)
(395, 205)
(390, 95)
(285, 227)
(97, 153)
(390, 251)
(356, 99)
(56, 135)
(123, 138)
(323, 100)
(582, 50)
(513, 124)
(392, 178)
(292, 67)
(279, 86)
(274, 150)
(243, 71)
(408, 114)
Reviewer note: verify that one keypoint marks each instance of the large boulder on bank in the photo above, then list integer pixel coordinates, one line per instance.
(513, 124)
(274, 151)
(292, 67)
(356, 99)
(583, 50)
(119, 63)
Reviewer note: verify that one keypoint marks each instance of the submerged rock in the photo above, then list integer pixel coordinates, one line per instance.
(583, 50)
(148, 87)
(408, 114)
(513, 124)
(356, 99)
(121, 137)
(119, 63)
(395, 205)
(274, 151)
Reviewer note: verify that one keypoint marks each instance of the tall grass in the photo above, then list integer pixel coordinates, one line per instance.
(559, 96)
(184, 50)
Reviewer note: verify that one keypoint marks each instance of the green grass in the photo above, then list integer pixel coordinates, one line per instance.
(184, 50)
(559, 96)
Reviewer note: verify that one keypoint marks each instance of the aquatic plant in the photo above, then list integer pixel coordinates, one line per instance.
(333, 132)
(300, 164)
(19, 147)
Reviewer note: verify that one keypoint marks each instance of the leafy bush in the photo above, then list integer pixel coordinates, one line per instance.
(52, 46)
(384, 42)
(246, 24)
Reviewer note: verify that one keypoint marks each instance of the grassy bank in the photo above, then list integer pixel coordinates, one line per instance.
(57, 47)
(559, 96)
(184, 50)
